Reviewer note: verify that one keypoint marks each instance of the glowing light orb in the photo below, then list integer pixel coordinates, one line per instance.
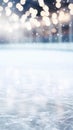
(46, 20)
(58, 5)
(71, 12)
(45, 8)
(54, 30)
(14, 13)
(58, 1)
(54, 15)
(41, 3)
(5, 1)
(19, 7)
(23, 18)
(70, 6)
(10, 4)
(55, 21)
(61, 15)
(22, 2)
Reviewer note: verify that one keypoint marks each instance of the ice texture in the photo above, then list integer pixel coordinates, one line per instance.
(36, 89)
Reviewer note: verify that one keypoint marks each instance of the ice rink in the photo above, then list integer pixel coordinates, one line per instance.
(36, 87)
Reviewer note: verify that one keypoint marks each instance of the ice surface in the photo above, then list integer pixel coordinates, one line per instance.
(36, 89)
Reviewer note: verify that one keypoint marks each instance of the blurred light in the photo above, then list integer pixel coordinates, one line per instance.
(45, 8)
(61, 16)
(8, 28)
(16, 26)
(70, 6)
(43, 13)
(30, 20)
(34, 13)
(58, 5)
(71, 12)
(46, 20)
(5, 1)
(28, 26)
(54, 18)
(23, 18)
(64, 17)
(22, 2)
(10, 4)
(54, 30)
(27, 13)
(58, 1)
(31, 10)
(34, 22)
(1, 8)
(54, 15)
(19, 7)
(37, 23)
(55, 21)
(41, 3)
(67, 17)
(5, 27)
(14, 17)
(8, 11)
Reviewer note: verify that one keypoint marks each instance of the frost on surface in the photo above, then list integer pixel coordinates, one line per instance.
(34, 102)
(37, 92)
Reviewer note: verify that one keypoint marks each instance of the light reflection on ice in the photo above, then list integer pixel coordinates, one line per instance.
(32, 99)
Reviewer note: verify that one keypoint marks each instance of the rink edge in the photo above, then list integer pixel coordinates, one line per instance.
(47, 46)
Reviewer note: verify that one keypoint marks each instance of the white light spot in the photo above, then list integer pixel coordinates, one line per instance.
(5, 1)
(58, 5)
(22, 2)
(10, 4)
(19, 7)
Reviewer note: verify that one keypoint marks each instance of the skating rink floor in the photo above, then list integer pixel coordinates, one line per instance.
(36, 88)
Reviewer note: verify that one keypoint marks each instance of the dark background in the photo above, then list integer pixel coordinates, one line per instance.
(35, 4)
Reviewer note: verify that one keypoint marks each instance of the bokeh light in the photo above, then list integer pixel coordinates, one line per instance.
(17, 15)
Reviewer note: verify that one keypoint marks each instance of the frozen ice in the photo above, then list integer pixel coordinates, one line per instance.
(36, 88)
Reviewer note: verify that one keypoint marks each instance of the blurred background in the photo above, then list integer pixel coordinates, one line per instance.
(36, 80)
(29, 21)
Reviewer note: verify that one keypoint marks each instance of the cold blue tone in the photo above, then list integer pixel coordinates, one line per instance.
(36, 88)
